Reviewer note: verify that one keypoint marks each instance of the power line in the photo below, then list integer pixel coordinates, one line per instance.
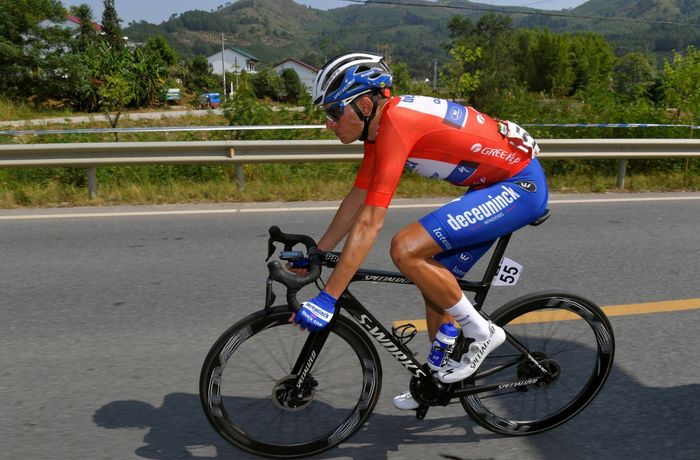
(526, 13)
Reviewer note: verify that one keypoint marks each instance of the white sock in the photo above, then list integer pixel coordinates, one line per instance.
(473, 324)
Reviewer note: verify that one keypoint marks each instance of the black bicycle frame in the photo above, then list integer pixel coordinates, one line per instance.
(393, 345)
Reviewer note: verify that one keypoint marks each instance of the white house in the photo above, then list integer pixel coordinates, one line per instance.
(234, 61)
(70, 22)
(306, 73)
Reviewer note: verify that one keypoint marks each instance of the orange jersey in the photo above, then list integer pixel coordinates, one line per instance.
(440, 139)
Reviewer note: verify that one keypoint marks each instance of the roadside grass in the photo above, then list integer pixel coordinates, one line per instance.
(50, 187)
(298, 182)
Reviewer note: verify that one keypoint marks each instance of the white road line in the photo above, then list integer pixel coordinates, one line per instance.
(306, 209)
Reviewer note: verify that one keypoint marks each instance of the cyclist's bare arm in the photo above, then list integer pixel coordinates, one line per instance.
(344, 219)
(360, 240)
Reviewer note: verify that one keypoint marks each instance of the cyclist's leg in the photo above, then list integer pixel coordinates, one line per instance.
(448, 241)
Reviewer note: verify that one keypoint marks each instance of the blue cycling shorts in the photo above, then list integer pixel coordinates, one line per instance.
(467, 227)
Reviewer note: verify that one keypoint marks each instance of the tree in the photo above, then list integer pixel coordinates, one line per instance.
(593, 62)
(87, 32)
(160, 47)
(148, 77)
(198, 76)
(31, 45)
(293, 86)
(461, 76)
(635, 74)
(268, 83)
(548, 65)
(110, 26)
(681, 82)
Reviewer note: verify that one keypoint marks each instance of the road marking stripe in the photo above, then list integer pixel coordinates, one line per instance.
(611, 310)
(103, 214)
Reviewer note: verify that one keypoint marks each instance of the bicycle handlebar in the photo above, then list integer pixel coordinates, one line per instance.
(293, 282)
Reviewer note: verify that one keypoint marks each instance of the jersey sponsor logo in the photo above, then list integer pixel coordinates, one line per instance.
(509, 157)
(438, 232)
(485, 213)
(495, 152)
(318, 311)
(451, 113)
(456, 115)
(465, 257)
(463, 171)
(527, 185)
(480, 119)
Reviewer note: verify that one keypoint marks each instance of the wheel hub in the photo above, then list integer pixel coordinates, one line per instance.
(288, 397)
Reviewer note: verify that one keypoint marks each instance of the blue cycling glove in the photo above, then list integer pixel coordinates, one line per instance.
(315, 314)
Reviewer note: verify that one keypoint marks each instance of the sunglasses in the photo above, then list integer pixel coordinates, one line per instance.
(335, 111)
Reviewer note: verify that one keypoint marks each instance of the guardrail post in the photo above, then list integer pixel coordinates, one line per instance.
(621, 169)
(240, 175)
(91, 173)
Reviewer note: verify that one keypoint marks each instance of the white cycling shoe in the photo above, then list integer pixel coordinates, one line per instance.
(405, 401)
(454, 371)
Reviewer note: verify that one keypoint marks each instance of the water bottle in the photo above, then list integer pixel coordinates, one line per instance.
(442, 346)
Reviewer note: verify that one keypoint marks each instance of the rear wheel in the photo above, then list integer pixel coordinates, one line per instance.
(249, 394)
(571, 348)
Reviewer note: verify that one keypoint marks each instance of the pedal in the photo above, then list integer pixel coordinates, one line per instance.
(421, 411)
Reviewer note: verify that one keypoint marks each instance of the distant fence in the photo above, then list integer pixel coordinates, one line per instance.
(93, 155)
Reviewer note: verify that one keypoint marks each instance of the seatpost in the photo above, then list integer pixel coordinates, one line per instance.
(492, 268)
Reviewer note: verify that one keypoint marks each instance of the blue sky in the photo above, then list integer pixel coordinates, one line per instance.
(157, 11)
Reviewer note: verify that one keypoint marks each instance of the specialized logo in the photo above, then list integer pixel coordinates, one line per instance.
(462, 173)
(486, 212)
(386, 279)
(386, 342)
(345, 87)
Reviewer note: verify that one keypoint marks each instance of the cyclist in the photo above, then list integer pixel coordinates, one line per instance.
(495, 161)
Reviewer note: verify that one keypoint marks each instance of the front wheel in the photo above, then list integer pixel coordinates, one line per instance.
(571, 348)
(248, 392)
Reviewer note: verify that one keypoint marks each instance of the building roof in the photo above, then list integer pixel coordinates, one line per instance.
(76, 20)
(310, 67)
(251, 57)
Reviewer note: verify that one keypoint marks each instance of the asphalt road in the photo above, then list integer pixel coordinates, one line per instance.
(106, 320)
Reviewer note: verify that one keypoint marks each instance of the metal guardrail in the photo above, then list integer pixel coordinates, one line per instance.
(92, 155)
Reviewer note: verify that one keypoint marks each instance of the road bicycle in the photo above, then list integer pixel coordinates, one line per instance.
(274, 390)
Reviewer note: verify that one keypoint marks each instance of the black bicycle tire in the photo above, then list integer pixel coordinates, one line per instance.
(256, 322)
(605, 356)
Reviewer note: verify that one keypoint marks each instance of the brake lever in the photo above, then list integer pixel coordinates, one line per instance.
(271, 248)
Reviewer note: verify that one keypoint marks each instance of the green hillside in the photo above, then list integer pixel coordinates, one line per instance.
(276, 29)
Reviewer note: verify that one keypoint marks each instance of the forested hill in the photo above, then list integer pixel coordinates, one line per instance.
(276, 29)
(656, 26)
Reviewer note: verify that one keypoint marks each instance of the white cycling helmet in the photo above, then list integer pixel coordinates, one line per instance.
(349, 75)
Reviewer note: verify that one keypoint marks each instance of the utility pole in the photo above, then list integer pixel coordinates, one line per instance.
(434, 74)
(223, 65)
